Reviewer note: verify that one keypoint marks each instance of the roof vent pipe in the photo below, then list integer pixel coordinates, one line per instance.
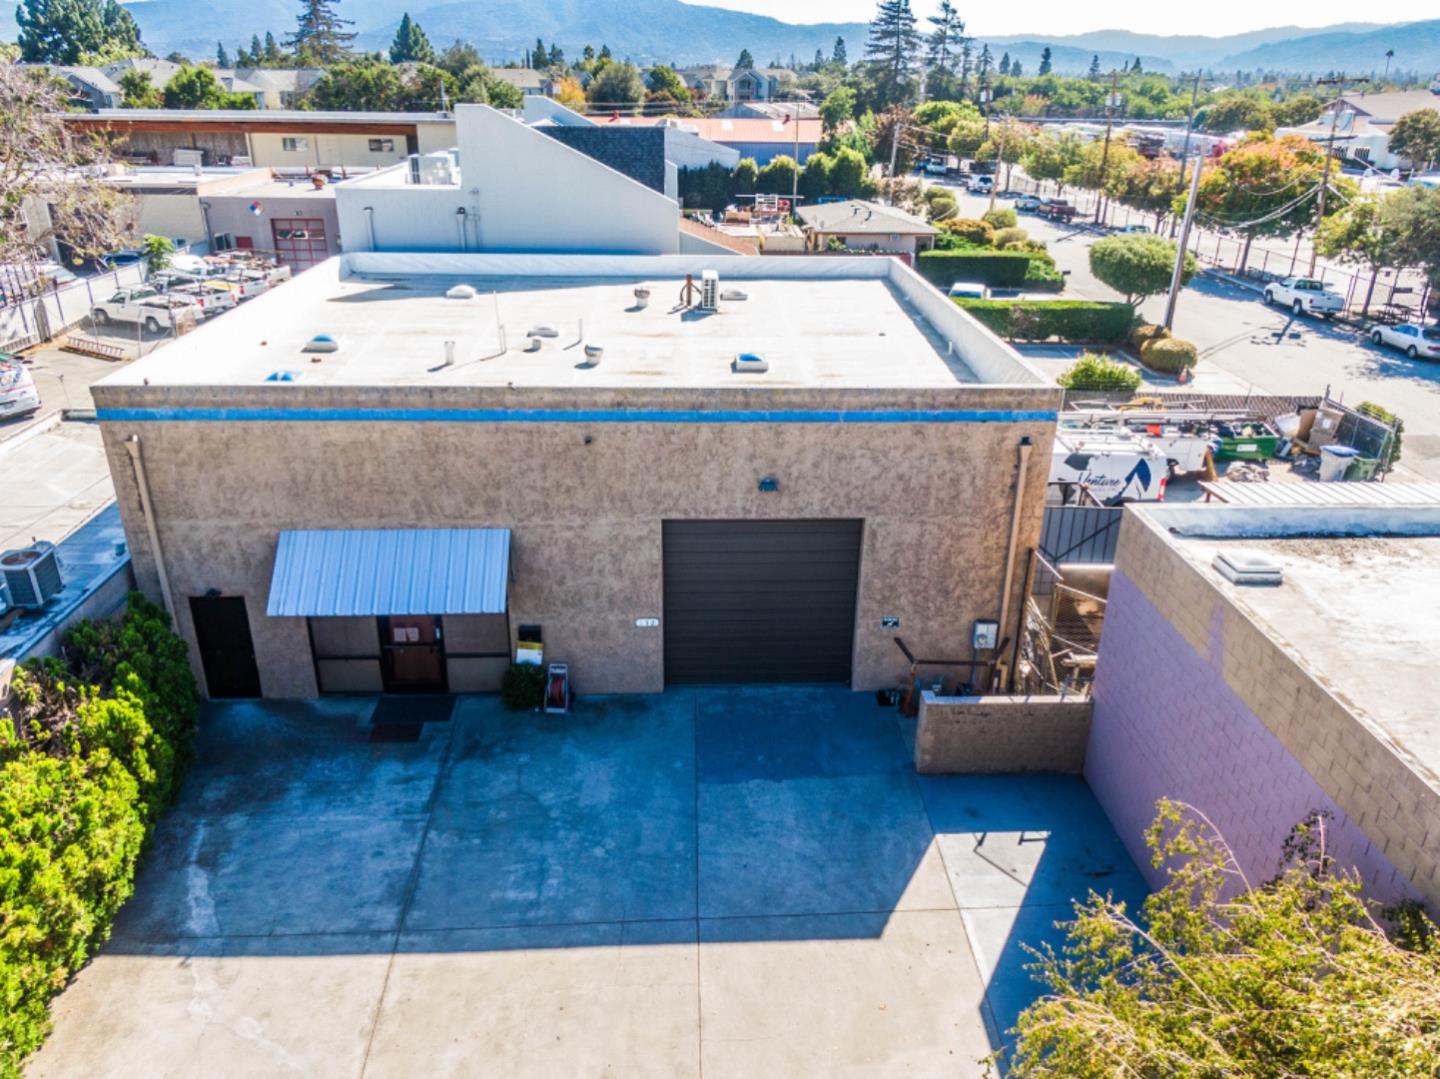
(449, 354)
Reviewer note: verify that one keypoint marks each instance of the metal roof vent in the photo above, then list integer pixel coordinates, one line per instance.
(735, 294)
(543, 330)
(748, 363)
(642, 297)
(1248, 567)
(321, 342)
(593, 354)
(461, 292)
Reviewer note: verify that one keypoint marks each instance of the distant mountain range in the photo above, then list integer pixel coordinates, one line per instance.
(668, 31)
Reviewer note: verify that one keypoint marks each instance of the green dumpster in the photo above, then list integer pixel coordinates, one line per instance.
(1252, 440)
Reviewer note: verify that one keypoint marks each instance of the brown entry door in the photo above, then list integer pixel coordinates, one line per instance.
(412, 659)
(300, 242)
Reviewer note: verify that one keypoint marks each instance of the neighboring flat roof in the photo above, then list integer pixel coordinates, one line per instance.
(258, 116)
(1359, 608)
(728, 129)
(820, 322)
(859, 216)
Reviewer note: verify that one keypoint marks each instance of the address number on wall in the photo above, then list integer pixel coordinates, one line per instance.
(647, 623)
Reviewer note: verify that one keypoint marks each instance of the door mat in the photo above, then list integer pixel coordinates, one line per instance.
(420, 709)
(395, 732)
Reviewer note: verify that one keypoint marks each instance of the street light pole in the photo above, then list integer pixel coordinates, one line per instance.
(1111, 100)
(1179, 272)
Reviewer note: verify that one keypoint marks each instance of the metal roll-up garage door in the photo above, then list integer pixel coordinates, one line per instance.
(760, 601)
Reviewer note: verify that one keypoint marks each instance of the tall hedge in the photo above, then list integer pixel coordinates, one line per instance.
(999, 269)
(1040, 320)
(92, 747)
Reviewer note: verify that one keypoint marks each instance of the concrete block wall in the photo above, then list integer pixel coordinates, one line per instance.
(1194, 702)
(1001, 734)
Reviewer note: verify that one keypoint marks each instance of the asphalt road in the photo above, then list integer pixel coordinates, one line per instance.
(1247, 346)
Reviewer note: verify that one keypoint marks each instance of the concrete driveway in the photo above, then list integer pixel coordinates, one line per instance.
(748, 882)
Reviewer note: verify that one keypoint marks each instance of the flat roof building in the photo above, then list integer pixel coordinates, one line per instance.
(567, 430)
(1261, 704)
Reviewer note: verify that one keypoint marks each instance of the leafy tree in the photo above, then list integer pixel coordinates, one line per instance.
(76, 31)
(1137, 266)
(138, 91)
(745, 177)
(1094, 72)
(1413, 214)
(838, 56)
(1149, 186)
(1045, 62)
(1416, 135)
(1016, 69)
(617, 86)
(222, 58)
(1135, 68)
(983, 67)
(815, 176)
(837, 109)
(155, 252)
(1223, 976)
(1094, 373)
(849, 174)
(1296, 110)
(570, 93)
(745, 60)
(460, 57)
(1266, 187)
(942, 50)
(320, 36)
(779, 175)
(663, 79)
(198, 88)
(539, 57)
(366, 85)
(411, 43)
(890, 52)
(557, 55)
(272, 56)
(1359, 234)
(1239, 112)
(501, 94)
(1004, 68)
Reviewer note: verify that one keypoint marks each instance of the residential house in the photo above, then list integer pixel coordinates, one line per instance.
(528, 80)
(92, 87)
(726, 83)
(1362, 129)
(866, 226)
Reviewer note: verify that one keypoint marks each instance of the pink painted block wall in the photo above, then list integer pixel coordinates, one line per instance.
(1167, 725)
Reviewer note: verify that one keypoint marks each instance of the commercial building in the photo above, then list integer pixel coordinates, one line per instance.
(552, 455)
(1362, 130)
(761, 139)
(291, 141)
(1261, 704)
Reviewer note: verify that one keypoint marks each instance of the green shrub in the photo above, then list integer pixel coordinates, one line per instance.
(1010, 237)
(980, 233)
(1146, 331)
(1138, 266)
(1169, 355)
(1002, 217)
(1094, 372)
(1384, 415)
(1002, 269)
(91, 750)
(1040, 320)
(1042, 276)
(523, 686)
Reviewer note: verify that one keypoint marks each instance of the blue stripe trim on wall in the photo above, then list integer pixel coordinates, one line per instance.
(560, 415)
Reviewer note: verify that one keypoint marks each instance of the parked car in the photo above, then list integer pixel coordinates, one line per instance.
(1133, 230)
(1057, 209)
(982, 185)
(153, 310)
(18, 395)
(247, 284)
(1304, 296)
(1416, 341)
(969, 290)
(1028, 203)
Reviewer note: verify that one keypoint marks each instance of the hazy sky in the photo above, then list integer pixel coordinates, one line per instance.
(1051, 17)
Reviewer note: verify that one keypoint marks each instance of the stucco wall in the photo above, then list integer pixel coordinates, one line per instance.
(586, 518)
(1001, 735)
(231, 213)
(330, 151)
(1193, 702)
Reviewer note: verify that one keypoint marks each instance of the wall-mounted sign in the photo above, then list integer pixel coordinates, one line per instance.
(647, 623)
(889, 621)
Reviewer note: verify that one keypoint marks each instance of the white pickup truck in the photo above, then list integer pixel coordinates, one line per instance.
(152, 310)
(1304, 296)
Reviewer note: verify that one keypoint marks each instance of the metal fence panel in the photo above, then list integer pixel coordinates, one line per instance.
(1080, 533)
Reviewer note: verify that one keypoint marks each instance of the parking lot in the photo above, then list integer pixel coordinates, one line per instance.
(740, 882)
(1246, 346)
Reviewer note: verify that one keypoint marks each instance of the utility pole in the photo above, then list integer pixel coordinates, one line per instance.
(794, 118)
(1112, 100)
(895, 132)
(1185, 150)
(1338, 81)
(1179, 271)
(999, 161)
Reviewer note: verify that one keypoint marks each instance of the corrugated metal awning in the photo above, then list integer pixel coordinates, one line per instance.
(1353, 493)
(390, 571)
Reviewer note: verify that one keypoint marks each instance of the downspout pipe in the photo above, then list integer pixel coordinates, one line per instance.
(147, 508)
(1022, 471)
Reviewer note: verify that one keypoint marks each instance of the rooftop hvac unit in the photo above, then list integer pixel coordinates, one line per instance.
(709, 290)
(32, 575)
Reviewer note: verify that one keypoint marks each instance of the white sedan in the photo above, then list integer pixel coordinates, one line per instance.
(1416, 341)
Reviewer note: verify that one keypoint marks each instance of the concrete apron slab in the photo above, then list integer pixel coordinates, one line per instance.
(747, 881)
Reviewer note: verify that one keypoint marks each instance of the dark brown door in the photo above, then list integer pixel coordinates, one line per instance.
(411, 657)
(227, 654)
(760, 601)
